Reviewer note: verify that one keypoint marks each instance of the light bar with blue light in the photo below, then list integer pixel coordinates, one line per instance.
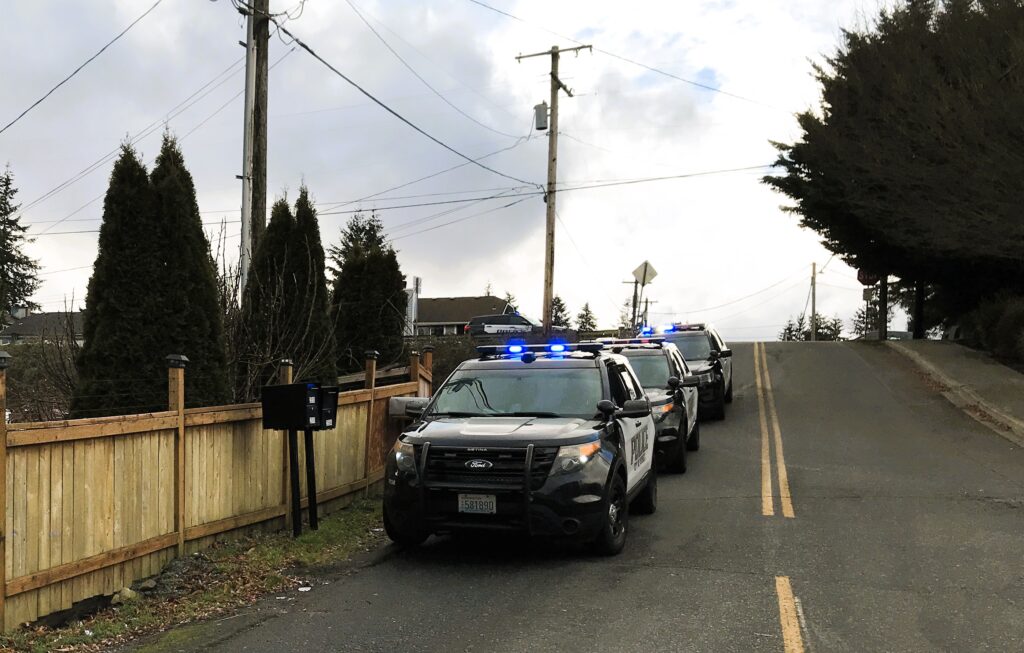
(552, 348)
(515, 349)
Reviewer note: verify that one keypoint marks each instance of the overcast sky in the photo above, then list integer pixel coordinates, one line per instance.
(713, 239)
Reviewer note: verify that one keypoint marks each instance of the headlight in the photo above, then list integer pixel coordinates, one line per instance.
(663, 411)
(405, 457)
(570, 459)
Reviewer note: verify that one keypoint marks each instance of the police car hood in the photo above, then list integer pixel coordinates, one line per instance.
(504, 431)
(699, 366)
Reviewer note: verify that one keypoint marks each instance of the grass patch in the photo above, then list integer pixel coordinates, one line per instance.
(215, 581)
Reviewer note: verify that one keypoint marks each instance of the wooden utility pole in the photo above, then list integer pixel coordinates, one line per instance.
(549, 196)
(814, 301)
(254, 148)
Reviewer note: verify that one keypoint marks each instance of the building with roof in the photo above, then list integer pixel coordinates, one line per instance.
(40, 327)
(444, 316)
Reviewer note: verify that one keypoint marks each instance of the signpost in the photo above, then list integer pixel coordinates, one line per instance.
(644, 274)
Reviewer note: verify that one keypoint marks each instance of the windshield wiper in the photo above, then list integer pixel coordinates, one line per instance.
(530, 413)
(456, 413)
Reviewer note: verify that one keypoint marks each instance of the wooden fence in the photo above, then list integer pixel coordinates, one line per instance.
(92, 505)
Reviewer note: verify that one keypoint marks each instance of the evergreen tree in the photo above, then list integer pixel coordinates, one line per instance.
(559, 313)
(511, 300)
(586, 321)
(190, 313)
(284, 305)
(18, 278)
(868, 318)
(368, 302)
(828, 329)
(122, 366)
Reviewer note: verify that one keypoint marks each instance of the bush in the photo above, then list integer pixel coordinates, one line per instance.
(1008, 329)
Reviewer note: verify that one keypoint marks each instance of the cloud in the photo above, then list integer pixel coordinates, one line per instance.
(713, 239)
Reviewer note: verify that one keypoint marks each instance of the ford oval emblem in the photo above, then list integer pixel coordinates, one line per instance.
(479, 464)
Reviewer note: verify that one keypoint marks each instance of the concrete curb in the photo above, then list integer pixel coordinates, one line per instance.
(967, 399)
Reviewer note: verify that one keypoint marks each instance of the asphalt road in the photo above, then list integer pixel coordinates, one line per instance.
(906, 534)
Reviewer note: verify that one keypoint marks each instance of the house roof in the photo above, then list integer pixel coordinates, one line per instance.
(39, 325)
(458, 310)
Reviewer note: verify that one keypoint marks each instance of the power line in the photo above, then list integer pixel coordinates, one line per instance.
(745, 297)
(384, 106)
(96, 231)
(76, 70)
(622, 58)
(463, 219)
(420, 77)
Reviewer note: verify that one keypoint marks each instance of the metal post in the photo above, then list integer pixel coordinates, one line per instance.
(284, 377)
(918, 317)
(814, 301)
(293, 477)
(314, 522)
(883, 307)
(370, 384)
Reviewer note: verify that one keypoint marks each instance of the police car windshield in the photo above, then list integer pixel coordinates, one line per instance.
(521, 391)
(693, 347)
(652, 371)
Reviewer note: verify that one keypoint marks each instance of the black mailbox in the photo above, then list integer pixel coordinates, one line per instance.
(291, 406)
(328, 407)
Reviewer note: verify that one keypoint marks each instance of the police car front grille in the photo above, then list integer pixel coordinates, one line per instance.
(449, 465)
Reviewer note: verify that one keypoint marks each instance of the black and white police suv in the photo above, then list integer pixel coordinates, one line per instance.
(710, 360)
(672, 391)
(553, 440)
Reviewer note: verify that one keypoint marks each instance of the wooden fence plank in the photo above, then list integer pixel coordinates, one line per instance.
(23, 435)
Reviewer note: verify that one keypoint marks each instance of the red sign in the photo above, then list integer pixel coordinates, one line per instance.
(867, 278)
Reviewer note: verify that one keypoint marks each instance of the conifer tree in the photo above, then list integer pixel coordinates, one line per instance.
(317, 346)
(368, 302)
(586, 321)
(190, 311)
(17, 270)
(559, 312)
(122, 367)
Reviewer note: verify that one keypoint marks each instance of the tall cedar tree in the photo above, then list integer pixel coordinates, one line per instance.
(912, 164)
(368, 302)
(190, 310)
(284, 305)
(559, 313)
(122, 367)
(18, 272)
(586, 321)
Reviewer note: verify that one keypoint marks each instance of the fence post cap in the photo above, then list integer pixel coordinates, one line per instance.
(5, 359)
(371, 354)
(428, 349)
(177, 360)
(287, 362)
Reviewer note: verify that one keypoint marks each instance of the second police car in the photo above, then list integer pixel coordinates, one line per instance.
(710, 359)
(552, 440)
(672, 391)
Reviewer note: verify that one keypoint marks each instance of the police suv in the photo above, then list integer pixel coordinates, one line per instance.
(672, 391)
(709, 359)
(552, 440)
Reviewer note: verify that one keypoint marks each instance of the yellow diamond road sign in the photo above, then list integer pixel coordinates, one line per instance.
(645, 273)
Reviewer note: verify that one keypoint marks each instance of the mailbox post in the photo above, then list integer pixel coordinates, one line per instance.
(291, 407)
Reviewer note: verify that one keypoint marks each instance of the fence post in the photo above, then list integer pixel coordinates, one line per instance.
(284, 377)
(176, 402)
(4, 360)
(370, 384)
(428, 363)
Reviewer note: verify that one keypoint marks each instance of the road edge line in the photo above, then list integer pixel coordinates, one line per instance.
(964, 397)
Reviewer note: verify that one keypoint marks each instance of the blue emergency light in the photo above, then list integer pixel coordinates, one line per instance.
(551, 348)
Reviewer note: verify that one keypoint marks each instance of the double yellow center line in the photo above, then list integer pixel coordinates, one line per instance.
(765, 398)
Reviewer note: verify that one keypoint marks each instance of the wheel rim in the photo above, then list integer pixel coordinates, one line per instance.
(615, 508)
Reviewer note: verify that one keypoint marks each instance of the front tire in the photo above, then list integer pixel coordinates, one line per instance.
(693, 442)
(646, 503)
(411, 539)
(676, 461)
(612, 537)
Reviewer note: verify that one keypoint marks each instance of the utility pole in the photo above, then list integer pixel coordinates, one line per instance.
(814, 301)
(254, 153)
(636, 303)
(549, 197)
(245, 254)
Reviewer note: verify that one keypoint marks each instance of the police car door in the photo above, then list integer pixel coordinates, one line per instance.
(726, 363)
(637, 433)
(689, 394)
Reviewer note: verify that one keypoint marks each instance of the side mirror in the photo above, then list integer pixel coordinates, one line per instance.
(715, 354)
(691, 382)
(725, 353)
(407, 407)
(606, 408)
(673, 382)
(635, 408)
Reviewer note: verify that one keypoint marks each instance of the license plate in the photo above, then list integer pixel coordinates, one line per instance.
(478, 504)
